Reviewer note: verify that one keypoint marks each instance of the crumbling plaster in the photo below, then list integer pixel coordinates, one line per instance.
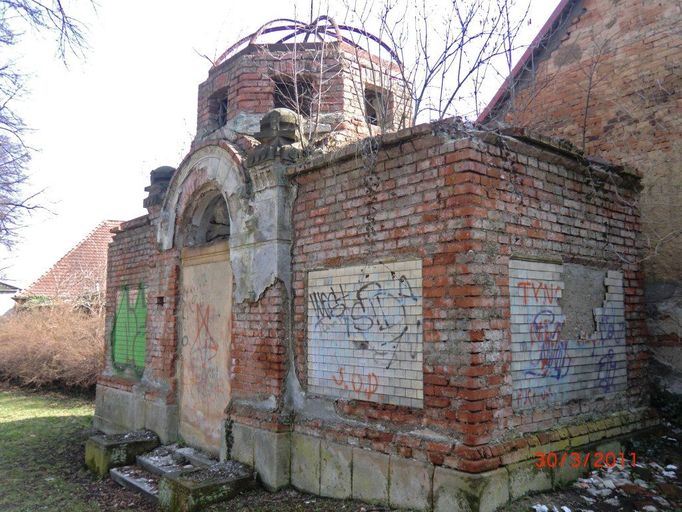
(260, 235)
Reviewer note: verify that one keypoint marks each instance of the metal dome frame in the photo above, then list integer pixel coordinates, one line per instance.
(320, 29)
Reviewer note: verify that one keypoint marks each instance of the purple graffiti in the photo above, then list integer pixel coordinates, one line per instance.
(553, 360)
(607, 371)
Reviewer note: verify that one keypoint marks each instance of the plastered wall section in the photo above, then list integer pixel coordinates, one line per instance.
(203, 366)
(365, 333)
(550, 365)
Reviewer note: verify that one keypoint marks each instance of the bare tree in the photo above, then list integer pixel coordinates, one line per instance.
(16, 17)
(408, 60)
(445, 49)
(592, 80)
(306, 70)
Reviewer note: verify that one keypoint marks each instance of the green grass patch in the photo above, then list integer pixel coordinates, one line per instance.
(41, 436)
(33, 452)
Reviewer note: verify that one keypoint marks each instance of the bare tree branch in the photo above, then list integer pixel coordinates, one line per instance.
(17, 16)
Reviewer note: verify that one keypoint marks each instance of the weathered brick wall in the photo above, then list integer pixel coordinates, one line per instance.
(337, 72)
(463, 207)
(259, 356)
(247, 79)
(135, 263)
(381, 75)
(610, 80)
(129, 254)
(163, 291)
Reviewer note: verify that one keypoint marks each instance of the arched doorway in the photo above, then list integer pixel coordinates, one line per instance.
(204, 320)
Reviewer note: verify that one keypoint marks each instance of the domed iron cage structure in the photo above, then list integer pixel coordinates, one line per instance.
(322, 29)
(355, 88)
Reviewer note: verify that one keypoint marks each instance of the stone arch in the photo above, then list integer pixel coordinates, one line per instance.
(204, 220)
(207, 173)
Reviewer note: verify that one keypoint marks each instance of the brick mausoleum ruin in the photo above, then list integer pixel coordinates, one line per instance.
(402, 319)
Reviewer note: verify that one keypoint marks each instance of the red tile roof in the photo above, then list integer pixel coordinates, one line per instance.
(80, 272)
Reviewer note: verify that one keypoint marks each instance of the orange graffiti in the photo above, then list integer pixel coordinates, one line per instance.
(359, 384)
(372, 385)
(550, 291)
(202, 319)
(340, 380)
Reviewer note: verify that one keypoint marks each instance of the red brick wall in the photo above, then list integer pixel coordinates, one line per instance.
(259, 357)
(163, 292)
(129, 254)
(248, 79)
(611, 77)
(133, 260)
(463, 207)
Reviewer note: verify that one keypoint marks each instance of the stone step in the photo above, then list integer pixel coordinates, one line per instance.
(106, 451)
(184, 478)
(194, 490)
(137, 479)
(166, 460)
(196, 457)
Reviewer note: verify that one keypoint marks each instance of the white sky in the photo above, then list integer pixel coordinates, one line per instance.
(129, 106)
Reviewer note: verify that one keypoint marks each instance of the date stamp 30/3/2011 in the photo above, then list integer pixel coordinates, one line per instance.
(594, 460)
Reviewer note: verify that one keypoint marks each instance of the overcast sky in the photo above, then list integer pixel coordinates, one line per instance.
(102, 124)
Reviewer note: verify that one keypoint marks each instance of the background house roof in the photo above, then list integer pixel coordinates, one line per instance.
(81, 271)
(8, 288)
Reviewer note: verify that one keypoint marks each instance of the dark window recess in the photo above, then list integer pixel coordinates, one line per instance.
(298, 98)
(222, 112)
(376, 107)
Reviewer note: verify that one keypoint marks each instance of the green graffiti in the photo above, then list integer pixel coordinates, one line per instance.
(128, 337)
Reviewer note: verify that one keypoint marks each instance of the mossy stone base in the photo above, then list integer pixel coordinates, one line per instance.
(187, 493)
(456, 491)
(103, 452)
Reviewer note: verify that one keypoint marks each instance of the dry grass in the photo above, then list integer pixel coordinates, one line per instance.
(55, 345)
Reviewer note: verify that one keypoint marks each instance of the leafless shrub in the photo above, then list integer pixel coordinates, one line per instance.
(52, 345)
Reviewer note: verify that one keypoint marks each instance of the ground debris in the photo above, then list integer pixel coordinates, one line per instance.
(649, 483)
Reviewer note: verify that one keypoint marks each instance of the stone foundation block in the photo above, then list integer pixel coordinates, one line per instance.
(370, 476)
(117, 410)
(525, 477)
(410, 484)
(614, 446)
(103, 452)
(566, 474)
(305, 463)
(272, 458)
(455, 491)
(335, 470)
(242, 444)
(162, 418)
